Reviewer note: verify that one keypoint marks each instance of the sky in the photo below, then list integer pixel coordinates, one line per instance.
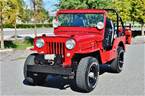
(48, 4)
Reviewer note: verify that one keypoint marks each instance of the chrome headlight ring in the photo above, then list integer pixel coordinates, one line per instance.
(70, 44)
(39, 43)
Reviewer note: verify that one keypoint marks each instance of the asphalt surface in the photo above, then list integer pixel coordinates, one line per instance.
(130, 82)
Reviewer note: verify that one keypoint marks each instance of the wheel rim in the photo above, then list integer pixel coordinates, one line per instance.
(92, 76)
(121, 60)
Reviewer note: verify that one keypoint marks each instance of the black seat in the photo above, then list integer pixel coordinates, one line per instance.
(109, 34)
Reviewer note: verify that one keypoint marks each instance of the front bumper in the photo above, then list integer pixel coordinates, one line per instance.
(48, 69)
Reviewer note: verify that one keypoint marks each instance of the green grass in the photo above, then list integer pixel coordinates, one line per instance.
(19, 44)
(22, 44)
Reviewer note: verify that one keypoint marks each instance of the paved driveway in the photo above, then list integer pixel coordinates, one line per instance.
(130, 82)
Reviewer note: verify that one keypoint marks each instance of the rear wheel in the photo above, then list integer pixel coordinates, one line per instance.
(33, 78)
(87, 74)
(117, 64)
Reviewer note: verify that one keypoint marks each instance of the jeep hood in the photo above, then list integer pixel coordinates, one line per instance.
(79, 34)
(77, 37)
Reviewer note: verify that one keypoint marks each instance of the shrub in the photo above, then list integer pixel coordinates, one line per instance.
(19, 44)
(27, 25)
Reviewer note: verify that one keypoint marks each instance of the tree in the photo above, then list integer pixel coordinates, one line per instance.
(123, 7)
(9, 12)
(12, 12)
(83, 4)
(41, 16)
(137, 12)
(26, 15)
(39, 13)
(17, 8)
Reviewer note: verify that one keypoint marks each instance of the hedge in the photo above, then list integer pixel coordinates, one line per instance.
(27, 25)
(19, 44)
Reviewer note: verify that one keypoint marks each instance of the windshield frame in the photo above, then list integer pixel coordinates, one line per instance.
(101, 14)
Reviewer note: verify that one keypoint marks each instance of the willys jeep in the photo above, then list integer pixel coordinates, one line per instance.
(83, 40)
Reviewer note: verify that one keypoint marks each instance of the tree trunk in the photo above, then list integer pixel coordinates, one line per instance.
(1, 32)
(15, 35)
(34, 7)
(142, 29)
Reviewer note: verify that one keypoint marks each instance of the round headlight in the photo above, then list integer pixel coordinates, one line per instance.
(70, 44)
(39, 42)
(100, 25)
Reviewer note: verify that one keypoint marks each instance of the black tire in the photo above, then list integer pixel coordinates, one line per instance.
(117, 64)
(30, 79)
(87, 74)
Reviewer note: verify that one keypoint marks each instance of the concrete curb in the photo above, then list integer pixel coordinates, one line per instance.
(6, 50)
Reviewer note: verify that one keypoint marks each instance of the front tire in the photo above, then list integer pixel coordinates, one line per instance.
(87, 74)
(30, 78)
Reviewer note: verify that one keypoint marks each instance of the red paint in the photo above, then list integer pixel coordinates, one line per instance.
(128, 34)
(88, 40)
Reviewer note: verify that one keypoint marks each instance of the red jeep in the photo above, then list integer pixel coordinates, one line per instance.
(83, 40)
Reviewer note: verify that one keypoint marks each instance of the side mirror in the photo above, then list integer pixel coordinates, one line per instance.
(55, 23)
(100, 25)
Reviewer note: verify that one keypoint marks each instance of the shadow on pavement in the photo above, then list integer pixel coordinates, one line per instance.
(59, 83)
(105, 68)
(52, 82)
(56, 82)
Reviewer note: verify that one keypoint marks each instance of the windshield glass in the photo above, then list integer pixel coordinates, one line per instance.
(80, 20)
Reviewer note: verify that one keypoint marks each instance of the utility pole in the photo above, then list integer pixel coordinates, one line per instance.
(1, 24)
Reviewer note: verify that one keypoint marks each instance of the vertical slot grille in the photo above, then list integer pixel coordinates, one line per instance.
(56, 48)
